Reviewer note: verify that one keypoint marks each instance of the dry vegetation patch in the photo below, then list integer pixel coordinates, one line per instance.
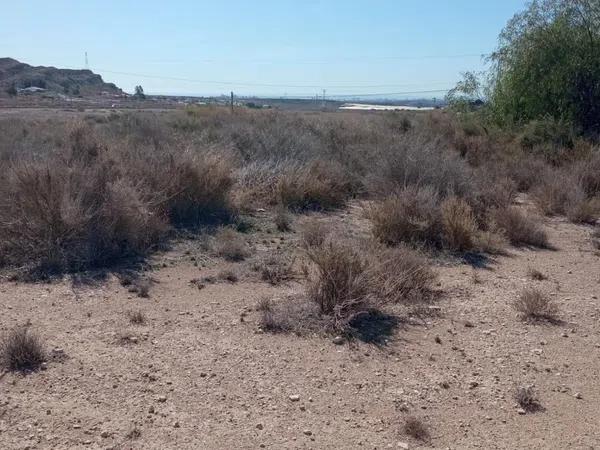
(534, 305)
(22, 350)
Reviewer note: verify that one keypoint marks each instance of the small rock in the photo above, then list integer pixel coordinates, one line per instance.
(294, 398)
(521, 411)
(338, 340)
(307, 432)
(578, 395)
(105, 434)
(176, 424)
(259, 426)
(402, 445)
(161, 399)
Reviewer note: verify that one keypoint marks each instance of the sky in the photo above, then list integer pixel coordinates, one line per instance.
(261, 47)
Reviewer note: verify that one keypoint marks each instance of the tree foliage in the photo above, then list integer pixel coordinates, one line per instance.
(547, 65)
(139, 92)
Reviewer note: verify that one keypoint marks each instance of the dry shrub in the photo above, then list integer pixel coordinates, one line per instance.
(557, 193)
(401, 275)
(282, 219)
(418, 159)
(459, 225)
(416, 428)
(22, 350)
(585, 211)
(137, 317)
(410, 216)
(228, 275)
(89, 203)
(536, 275)
(519, 227)
(491, 241)
(313, 233)
(276, 268)
(346, 283)
(527, 399)
(533, 305)
(231, 245)
(587, 173)
(340, 285)
(291, 314)
(320, 185)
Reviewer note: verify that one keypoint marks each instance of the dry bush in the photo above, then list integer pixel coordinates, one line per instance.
(291, 314)
(527, 399)
(491, 241)
(533, 305)
(411, 216)
(282, 219)
(460, 228)
(557, 193)
(519, 227)
(418, 159)
(416, 428)
(228, 275)
(401, 275)
(231, 245)
(585, 211)
(275, 268)
(587, 173)
(340, 284)
(319, 185)
(536, 275)
(89, 203)
(22, 350)
(313, 233)
(137, 317)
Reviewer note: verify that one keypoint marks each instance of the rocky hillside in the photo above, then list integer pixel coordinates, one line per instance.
(64, 81)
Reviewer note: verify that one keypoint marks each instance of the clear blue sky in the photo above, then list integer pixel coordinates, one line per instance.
(296, 47)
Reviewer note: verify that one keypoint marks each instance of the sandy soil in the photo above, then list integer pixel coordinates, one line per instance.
(200, 373)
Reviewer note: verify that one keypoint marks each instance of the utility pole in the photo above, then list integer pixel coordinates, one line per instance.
(231, 102)
(87, 66)
(324, 105)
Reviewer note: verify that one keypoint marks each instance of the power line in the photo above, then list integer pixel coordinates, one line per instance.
(327, 61)
(245, 84)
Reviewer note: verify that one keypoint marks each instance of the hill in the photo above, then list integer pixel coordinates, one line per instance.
(64, 81)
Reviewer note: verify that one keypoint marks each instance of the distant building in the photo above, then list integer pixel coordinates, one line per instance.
(30, 90)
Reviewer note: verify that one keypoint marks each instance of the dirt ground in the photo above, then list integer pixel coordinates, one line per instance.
(201, 374)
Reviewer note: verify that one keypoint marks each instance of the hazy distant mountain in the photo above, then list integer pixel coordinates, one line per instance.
(64, 81)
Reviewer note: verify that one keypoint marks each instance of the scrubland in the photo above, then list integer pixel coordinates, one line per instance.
(313, 280)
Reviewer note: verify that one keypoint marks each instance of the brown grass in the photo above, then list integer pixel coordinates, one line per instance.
(340, 285)
(313, 233)
(460, 228)
(401, 275)
(533, 305)
(410, 216)
(520, 228)
(231, 245)
(320, 185)
(275, 268)
(22, 350)
(282, 219)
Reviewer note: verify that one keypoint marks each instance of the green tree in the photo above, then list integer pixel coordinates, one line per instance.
(468, 93)
(139, 92)
(547, 65)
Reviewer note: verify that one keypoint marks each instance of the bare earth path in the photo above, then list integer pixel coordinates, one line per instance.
(200, 374)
